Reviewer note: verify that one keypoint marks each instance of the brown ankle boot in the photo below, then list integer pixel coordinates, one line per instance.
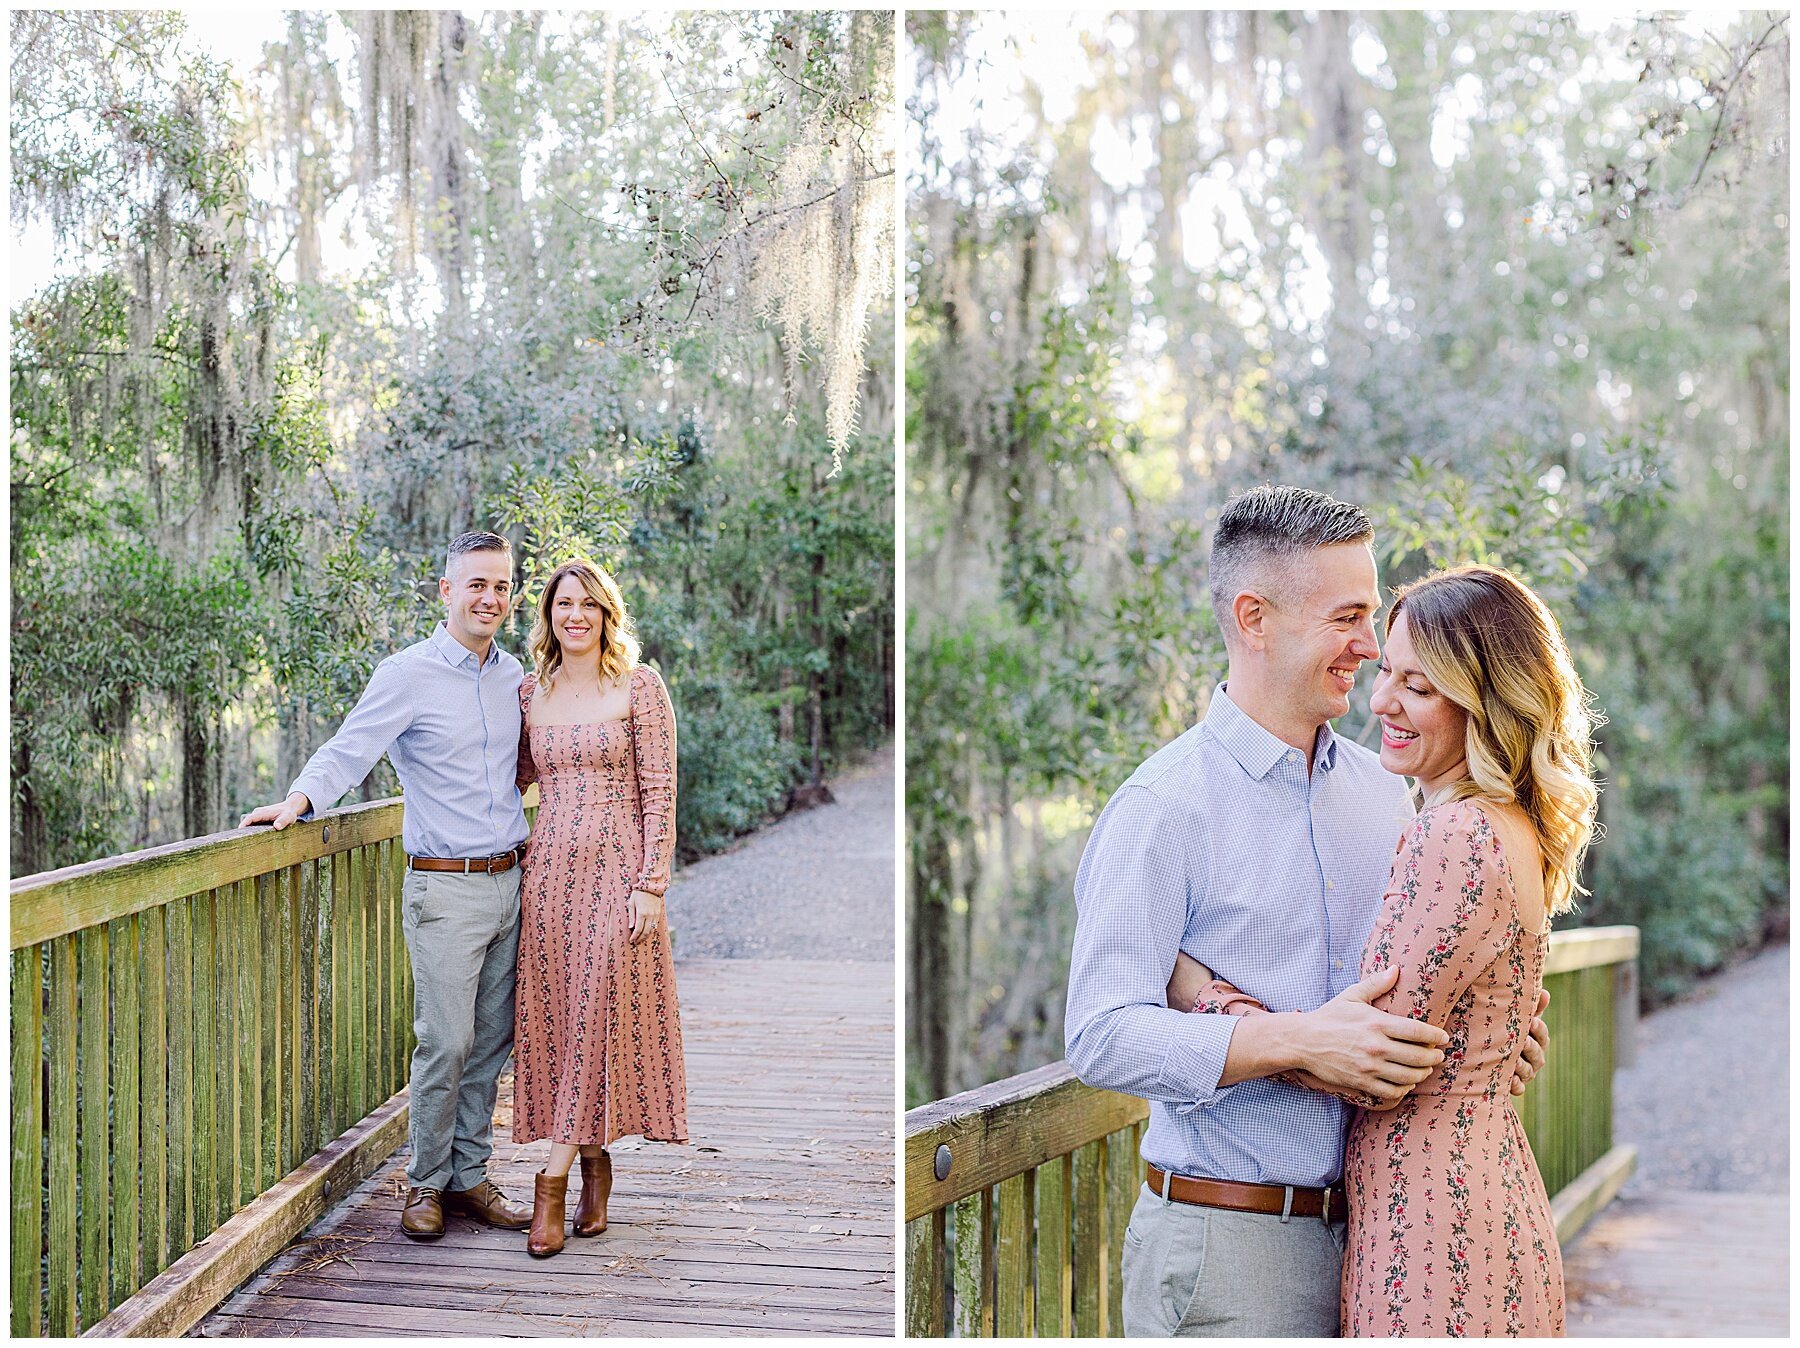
(549, 1200)
(596, 1188)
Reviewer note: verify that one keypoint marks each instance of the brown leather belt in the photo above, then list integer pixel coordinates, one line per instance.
(498, 864)
(1277, 1200)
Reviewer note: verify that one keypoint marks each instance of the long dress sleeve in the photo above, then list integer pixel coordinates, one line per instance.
(527, 770)
(1448, 914)
(653, 749)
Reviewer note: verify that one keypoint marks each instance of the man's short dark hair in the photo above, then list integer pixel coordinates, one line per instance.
(476, 540)
(1264, 531)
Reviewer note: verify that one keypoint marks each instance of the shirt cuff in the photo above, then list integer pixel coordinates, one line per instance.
(1195, 1060)
(312, 796)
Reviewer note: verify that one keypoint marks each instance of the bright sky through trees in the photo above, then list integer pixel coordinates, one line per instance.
(1038, 67)
(235, 37)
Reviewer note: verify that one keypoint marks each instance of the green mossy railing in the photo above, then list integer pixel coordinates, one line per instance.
(1018, 1193)
(192, 1026)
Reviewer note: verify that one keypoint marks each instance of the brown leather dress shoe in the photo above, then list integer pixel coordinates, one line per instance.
(596, 1188)
(550, 1197)
(485, 1203)
(423, 1217)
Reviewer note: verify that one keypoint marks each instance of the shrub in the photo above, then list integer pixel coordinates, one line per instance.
(1679, 864)
(734, 773)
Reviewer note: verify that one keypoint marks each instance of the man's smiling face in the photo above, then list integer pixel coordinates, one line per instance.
(1321, 629)
(477, 594)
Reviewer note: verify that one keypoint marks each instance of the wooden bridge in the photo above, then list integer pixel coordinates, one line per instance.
(1018, 1193)
(210, 1046)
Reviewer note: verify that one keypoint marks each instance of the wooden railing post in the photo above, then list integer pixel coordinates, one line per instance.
(1625, 1013)
(128, 1257)
(26, 994)
(61, 1125)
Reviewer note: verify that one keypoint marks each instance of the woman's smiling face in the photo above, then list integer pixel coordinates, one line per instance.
(576, 617)
(1422, 731)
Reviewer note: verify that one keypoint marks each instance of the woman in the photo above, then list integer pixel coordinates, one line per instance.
(1449, 1230)
(597, 1047)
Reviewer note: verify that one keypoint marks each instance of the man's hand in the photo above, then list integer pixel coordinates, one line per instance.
(280, 815)
(1537, 1044)
(1348, 1045)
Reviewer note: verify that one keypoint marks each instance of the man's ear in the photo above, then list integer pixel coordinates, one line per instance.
(1251, 614)
(444, 588)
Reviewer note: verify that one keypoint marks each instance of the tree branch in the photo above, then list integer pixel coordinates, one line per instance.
(1712, 140)
(770, 214)
(688, 122)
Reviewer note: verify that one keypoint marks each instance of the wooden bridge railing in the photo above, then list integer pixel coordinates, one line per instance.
(202, 1033)
(1018, 1193)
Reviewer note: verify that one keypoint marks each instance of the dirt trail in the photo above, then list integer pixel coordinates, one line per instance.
(816, 885)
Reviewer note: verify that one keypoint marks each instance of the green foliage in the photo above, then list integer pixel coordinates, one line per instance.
(1516, 514)
(734, 772)
(105, 632)
(1057, 648)
(240, 446)
(582, 510)
(348, 610)
(1675, 865)
(1687, 650)
(109, 113)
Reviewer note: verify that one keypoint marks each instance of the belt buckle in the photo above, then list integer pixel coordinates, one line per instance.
(1325, 1205)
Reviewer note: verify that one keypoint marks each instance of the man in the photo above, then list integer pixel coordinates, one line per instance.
(446, 710)
(1258, 842)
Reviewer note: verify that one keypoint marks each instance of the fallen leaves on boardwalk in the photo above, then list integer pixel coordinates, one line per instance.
(323, 1251)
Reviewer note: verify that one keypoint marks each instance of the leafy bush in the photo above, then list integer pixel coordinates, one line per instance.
(733, 772)
(1680, 866)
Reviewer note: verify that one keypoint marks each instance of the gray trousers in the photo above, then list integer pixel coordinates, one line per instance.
(1200, 1272)
(462, 932)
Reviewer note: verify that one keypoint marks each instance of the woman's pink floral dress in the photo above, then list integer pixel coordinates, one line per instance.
(1449, 1233)
(597, 1045)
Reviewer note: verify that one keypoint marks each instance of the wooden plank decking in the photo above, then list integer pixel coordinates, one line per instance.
(777, 1219)
(1681, 1265)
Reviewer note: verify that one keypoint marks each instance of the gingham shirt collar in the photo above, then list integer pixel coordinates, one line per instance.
(455, 653)
(1255, 748)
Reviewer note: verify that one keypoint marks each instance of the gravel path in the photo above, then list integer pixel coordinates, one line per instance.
(1707, 1100)
(816, 885)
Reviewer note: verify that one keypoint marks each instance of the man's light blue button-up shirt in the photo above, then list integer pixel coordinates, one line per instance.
(451, 727)
(1222, 845)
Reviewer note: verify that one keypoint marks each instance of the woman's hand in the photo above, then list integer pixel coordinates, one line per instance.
(644, 912)
(1187, 982)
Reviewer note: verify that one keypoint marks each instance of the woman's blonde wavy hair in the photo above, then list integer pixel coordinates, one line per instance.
(1493, 648)
(618, 638)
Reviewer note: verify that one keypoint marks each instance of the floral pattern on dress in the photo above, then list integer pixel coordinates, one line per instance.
(1449, 1233)
(597, 1042)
